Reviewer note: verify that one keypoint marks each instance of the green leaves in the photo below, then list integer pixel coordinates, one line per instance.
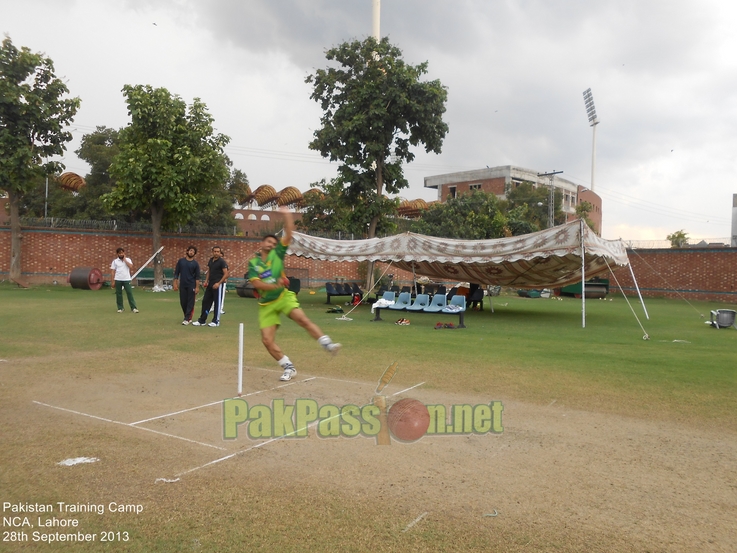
(375, 108)
(169, 156)
(33, 115)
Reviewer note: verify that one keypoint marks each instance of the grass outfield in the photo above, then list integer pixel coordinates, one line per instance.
(70, 348)
(529, 349)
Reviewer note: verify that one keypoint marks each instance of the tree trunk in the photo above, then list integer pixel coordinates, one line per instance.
(374, 222)
(157, 214)
(15, 237)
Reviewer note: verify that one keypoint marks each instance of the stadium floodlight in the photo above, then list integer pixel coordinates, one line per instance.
(588, 100)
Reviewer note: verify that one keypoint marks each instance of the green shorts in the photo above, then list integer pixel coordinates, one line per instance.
(269, 314)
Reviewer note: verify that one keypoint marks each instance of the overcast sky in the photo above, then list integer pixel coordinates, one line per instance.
(663, 75)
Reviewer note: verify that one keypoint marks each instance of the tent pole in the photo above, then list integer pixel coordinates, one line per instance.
(638, 291)
(583, 275)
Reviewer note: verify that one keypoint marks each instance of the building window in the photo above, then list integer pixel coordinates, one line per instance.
(252, 217)
(451, 192)
(474, 187)
(239, 216)
(265, 218)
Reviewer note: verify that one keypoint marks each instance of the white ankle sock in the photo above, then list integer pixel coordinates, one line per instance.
(284, 361)
(324, 340)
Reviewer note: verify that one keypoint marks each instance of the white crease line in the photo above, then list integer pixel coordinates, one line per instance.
(320, 377)
(176, 412)
(415, 521)
(177, 437)
(216, 461)
(219, 401)
(408, 389)
(129, 425)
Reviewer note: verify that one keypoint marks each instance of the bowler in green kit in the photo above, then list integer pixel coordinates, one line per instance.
(266, 273)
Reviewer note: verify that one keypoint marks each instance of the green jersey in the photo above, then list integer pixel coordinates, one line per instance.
(269, 271)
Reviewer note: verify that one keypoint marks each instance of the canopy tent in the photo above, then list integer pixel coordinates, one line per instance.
(549, 258)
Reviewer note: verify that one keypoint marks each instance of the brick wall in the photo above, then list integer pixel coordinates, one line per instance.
(51, 254)
(696, 274)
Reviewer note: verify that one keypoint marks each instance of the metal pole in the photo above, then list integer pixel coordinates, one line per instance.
(46, 199)
(147, 262)
(583, 275)
(638, 292)
(377, 19)
(240, 359)
(593, 156)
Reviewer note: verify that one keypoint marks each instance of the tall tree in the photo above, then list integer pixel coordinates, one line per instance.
(337, 210)
(375, 108)
(475, 216)
(33, 116)
(170, 160)
(535, 201)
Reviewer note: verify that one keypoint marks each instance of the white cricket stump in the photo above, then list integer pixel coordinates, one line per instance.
(240, 359)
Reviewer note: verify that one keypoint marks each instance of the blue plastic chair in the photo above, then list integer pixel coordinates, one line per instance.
(421, 302)
(457, 300)
(438, 303)
(402, 302)
(389, 296)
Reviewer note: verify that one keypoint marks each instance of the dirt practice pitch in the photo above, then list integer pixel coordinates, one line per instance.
(557, 478)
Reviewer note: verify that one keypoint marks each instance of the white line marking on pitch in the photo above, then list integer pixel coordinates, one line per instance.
(216, 461)
(216, 402)
(415, 521)
(408, 389)
(129, 425)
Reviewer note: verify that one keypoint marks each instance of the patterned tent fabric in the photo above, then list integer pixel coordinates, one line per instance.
(549, 258)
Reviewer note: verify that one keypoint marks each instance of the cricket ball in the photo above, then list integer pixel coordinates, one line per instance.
(408, 420)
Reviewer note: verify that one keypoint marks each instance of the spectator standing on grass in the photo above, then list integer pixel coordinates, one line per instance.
(217, 274)
(266, 273)
(121, 278)
(187, 281)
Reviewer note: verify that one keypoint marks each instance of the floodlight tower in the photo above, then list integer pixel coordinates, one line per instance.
(377, 19)
(588, 99)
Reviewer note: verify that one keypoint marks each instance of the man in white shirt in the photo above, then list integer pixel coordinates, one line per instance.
(121, 278)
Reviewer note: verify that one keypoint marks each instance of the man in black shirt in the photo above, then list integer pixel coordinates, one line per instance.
(187, 281)
(217, 275)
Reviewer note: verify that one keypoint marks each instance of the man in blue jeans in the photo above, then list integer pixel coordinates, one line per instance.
(121, 278)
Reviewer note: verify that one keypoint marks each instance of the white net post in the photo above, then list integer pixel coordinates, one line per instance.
(240, 359)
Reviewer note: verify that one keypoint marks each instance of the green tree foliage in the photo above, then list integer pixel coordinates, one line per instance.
(33, 116)
(535, 200)
(338, 210)
(171, 163)
(375, 108)
(98, 149)
(582, 212)
(678, 239)
(238, 187)
(475, 216)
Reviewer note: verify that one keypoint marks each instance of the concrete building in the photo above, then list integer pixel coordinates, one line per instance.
(500, 180)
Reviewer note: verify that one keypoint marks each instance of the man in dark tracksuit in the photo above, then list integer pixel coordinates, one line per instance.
(187, 281)
(217, 275)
